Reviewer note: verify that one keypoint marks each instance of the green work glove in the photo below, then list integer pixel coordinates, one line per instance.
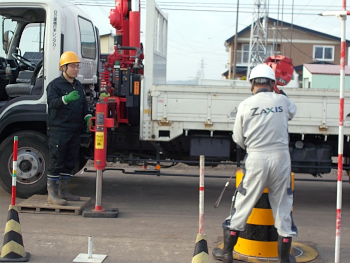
(104, 95)
(74, 95)
(87, 119)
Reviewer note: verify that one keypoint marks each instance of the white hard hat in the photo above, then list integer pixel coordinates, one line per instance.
(262, 71)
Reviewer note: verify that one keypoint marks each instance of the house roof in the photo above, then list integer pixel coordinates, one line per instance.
(300, 67)
(287, 25)
(107, 34)
(326, 69)
(319, 67)
(239, 70)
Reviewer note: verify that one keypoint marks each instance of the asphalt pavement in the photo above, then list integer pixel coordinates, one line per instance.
(158, 219)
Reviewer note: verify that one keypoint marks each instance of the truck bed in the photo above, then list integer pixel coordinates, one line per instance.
(176, 108)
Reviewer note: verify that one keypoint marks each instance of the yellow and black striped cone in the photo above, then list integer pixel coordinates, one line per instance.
(12, 249)
(200, 254)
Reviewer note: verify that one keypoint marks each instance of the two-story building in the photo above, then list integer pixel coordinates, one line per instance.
(301, 44)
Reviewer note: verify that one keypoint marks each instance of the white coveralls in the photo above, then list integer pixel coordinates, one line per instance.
(261, 127)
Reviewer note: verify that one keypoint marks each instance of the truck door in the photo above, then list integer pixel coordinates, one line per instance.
(22, 112)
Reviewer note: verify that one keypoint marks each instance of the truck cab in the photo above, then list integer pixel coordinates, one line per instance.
(34, 35)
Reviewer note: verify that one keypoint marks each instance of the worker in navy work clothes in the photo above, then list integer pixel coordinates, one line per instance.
(67, 109)
(261, 128)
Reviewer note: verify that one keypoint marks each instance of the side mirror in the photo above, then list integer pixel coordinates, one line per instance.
(6, 40)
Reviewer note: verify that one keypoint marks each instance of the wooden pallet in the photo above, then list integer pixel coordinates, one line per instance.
(38, 204)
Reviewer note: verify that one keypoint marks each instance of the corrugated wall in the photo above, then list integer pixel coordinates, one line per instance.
(328, 82)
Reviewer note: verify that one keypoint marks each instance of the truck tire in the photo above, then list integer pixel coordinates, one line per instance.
(32, 160)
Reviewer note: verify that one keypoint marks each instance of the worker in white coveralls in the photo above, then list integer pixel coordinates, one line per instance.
(261, 128)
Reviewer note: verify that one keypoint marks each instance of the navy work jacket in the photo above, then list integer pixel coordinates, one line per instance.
(65, 117)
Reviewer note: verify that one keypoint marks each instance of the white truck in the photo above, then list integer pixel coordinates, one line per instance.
(34, 35)
(164, 122)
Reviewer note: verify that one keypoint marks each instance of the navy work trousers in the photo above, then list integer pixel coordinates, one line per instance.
(64, 151)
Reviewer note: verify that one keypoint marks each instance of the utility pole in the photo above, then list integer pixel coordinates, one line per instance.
(200, 73)
(202, 68)
(258, 35)
(235, 45)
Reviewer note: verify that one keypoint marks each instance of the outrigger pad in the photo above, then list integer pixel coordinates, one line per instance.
(110, 213)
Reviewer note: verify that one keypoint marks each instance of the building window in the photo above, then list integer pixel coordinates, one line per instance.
(325, 53)
(245, 53)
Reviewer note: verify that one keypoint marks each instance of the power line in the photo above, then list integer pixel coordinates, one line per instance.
(295, 46)
(228, 11)
(210, 10)
(211, 4)
(318, 17)
(191, 46)
(216, 7)
(197, 52)
(215, 61)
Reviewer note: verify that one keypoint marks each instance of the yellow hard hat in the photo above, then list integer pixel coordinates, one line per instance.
(68, 57)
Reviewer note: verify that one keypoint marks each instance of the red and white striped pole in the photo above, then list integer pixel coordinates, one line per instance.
(14, 170)
(201, 250)
(342, 15)
(341, 137)
(201, 194)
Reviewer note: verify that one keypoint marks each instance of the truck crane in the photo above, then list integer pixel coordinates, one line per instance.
(121, 77)
(138, 119)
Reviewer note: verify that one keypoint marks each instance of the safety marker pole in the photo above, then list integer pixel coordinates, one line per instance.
(201, 254)
(14, 170)
(340, 138)
(342, 15)
(201, 194)
(89, 257)
(90, 247)
(13, 248)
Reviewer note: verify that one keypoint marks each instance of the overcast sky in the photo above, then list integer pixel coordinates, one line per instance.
(194, 35)
(199, 28)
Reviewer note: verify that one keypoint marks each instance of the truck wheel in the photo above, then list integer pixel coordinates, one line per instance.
(32, 161)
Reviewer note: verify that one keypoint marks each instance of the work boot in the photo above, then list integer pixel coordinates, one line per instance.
(52, 189)
(284, 246)
(230, 240)
(63, 190)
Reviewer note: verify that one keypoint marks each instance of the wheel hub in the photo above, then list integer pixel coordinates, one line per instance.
(30, 165)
